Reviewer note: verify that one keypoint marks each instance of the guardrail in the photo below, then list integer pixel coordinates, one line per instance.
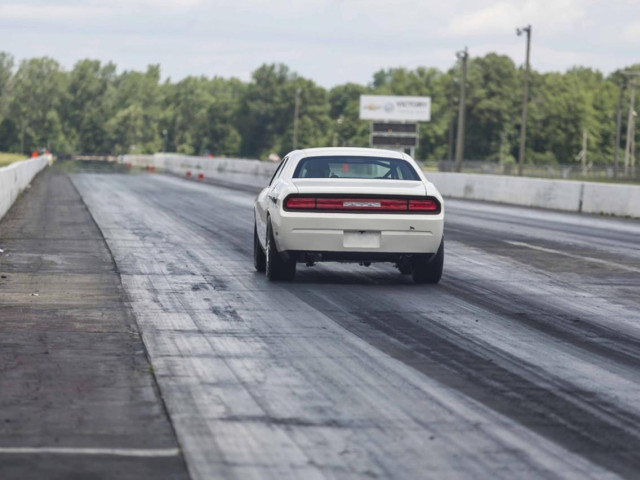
(14, 179)
(567, 195)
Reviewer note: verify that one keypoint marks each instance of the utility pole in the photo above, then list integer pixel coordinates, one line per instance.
(462, 56)
(583, 153)
(630, 126)
(451, 135)
(452, 125)
(616, 161)
(632, 148)
(296, 111)
(525, 99)
(22, 129)
(503, 140)
(336, 138)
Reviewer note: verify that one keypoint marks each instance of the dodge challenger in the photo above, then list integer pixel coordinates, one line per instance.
(355, 205)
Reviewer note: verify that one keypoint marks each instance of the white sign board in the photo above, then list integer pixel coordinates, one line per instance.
(402, 109)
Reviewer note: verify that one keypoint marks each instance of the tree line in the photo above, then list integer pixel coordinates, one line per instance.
(94, 109)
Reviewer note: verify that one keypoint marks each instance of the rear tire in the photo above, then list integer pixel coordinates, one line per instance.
(277, 269)
(259, 258)
(428, 271)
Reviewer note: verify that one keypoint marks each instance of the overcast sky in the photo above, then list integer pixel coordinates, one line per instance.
(329, 41)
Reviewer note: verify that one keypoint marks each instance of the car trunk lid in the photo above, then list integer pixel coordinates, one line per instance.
(340, 186)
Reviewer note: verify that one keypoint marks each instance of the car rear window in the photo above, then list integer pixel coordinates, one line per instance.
(355, 167)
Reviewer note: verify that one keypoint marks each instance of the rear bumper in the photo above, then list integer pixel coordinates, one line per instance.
(365, 234)
(350, 257)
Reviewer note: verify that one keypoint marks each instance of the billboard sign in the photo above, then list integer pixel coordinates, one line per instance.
(402, 109)
(394, 141)
(395, 128)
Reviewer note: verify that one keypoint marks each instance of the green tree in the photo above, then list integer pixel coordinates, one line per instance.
(37, 91)
(344, 109)
(493, 105)
(265, 117)
(6, 70)
(95, 109)
(562, 107)
(186, 104)
(7, 128)
(199, 115)
(219, 134)
(137, 105)
(90, 105)
(127, 130)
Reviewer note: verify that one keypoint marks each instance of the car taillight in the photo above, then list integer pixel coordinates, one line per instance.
(423, 206)
(350, 204)
(301, 203)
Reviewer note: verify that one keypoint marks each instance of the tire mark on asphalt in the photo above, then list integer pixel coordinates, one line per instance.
(454, 362)
(565, 326)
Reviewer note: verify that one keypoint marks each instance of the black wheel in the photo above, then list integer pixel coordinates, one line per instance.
(428, 271)
(276, 267)
(259, 258)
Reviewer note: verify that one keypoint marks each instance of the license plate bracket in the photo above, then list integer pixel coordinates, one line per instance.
(361, 239)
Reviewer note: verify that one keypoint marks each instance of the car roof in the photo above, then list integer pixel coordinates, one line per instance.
(348, 151)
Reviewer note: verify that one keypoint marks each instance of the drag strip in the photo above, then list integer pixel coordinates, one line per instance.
(523, 362)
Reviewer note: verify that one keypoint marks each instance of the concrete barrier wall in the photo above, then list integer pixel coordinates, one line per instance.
(529, 192)
(609, 199)
(14, 179)
(239, 171)
(217, 165)
(571, 196)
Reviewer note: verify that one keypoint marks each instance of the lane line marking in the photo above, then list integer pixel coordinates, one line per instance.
(119, 452)
(572, 255)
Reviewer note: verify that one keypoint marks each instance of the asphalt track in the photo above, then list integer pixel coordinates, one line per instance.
(524, 362)
(77, 396)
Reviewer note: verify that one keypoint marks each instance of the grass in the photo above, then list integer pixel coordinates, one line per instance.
(7, 158)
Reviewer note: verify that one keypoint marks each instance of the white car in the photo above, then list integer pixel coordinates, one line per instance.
(349, 205)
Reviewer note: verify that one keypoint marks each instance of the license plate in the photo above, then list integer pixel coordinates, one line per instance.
(361, 239)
